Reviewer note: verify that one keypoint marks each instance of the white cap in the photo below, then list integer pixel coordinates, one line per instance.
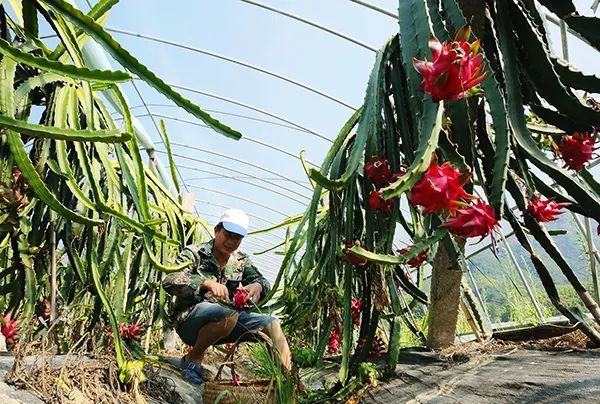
(235, 221)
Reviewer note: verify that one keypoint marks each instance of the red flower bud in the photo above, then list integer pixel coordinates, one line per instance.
(334, 343)
(235, 378)
(376, 202)
(378, 347)
(417, 260)
(130, 331)
(9, 328)
(378, 172)
(545, 210)
(356, 308)
(353, 259)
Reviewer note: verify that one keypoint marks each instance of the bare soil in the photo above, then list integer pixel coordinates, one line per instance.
(557, 370)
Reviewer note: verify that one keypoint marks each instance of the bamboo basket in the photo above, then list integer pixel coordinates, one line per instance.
(256, 391)
(259, 391)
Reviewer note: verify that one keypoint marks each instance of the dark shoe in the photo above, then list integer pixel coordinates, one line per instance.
(193, 372)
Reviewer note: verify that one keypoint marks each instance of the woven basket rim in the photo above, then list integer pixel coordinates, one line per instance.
(241, 383)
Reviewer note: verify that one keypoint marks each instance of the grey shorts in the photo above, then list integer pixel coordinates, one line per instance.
(206, 312)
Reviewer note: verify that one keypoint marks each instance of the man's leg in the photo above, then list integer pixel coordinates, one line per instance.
(209, 334)
(273, 329)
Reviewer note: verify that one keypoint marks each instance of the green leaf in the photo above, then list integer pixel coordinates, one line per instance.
(517, 119)
(394, 347)
(172, 166)
(368, 124)
(139, 188)
(51, 132)
(137, 226)
(61, 99)
(574, 78)
(591, 181)
(540, 234)
(414, 42)
(127, 60)
(21, 157)
(561, 8)
(98, 12)
(92, 262)
(157, 263)
(30, 21)
(400, 259)
(431, 124)
(286, 223)
(587, 27)
(21, 94)
(30, 279)
(535, 61)
(77, 73)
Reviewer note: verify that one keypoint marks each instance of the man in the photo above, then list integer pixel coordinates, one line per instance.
(217, 269)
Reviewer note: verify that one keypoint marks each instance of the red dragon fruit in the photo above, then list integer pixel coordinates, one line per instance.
(130, 331)
(376, 202)
(9, 328)
(378, 171)
(440, 189)
(353, 259)
(545, 210)
(334, 344)
(456, 68)
(240, 298)
(476, 220)
(417, 260)
(577, 149)
(356, 309)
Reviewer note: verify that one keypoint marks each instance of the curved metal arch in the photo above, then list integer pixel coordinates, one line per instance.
(549, 17)
(312, 24)
(248, 138)
(375, 8)
(261, 168)
(238, 179)
(216, 177)
(215, 111)
(263, 241)
(269, 208)
(235, 61)
(247, 106)
(249, 214)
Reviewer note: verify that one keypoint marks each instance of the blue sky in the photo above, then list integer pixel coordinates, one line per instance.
(259, 37)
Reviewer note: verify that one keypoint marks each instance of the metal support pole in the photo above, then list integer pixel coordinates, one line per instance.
(524, 280)
(583, 231)
(563, 39)
(478, 294)
(591, 249)
(53, 283)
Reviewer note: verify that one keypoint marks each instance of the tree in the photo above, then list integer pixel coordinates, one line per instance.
(82, 216)
(428, 130)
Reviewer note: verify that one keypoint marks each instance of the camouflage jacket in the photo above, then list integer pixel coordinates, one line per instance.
(186, 285)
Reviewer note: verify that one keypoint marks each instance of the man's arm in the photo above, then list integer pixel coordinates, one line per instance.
(187, 283)
(252, 275)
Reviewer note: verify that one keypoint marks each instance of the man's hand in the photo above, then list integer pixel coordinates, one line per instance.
(254, 291)
(218, 290)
